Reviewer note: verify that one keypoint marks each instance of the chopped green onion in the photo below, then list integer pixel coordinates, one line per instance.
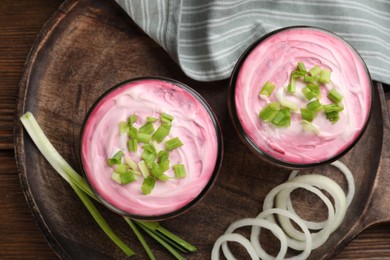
(291, 87)
(308, 79)
(132, 119)
(144, 138)
(173, 143)
(121, 168)
(267, 89)
(309, 127)
(297, 74)
(123, 178)
(333, 116)
(315, 71)
(143, 168)
(148, 157)
(166, 118)
(147, 128)
(269, 111)
(131, 163)
(289, 104)
(155, 169)
(164, 165)
(315, 106)
(301, 67)
(123, 127)
(132, 132)
(116, 159)
(308, 114)
(324, 76)
(179, 170)
(282, 118)
(148, 185)
(151, 119)
(161, 132)
(132, 145)
(333, 107)
(335, 96)
(312, 90)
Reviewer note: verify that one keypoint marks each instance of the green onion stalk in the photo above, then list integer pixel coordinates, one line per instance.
(167, 239)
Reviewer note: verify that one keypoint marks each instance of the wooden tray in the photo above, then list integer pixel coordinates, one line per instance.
(86, 47)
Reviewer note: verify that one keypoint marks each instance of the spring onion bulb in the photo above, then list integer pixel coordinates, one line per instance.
(278, 202)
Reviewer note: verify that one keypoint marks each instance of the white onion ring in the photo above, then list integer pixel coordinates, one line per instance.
(333, 189)
(298, 241)
(282, 212)
(274, 228)
(236, 238)
(348, 177)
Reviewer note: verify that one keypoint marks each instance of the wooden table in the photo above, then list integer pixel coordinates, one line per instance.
(20, 237)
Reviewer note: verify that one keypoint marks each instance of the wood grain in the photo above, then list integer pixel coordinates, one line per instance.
(24, 239)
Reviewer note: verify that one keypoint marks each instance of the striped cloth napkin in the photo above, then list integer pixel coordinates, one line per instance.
(206, 37)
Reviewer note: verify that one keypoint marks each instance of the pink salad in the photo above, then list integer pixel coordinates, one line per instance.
(192, 123)
(273, 59)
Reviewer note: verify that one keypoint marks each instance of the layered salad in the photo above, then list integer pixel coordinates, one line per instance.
(302, 96)
(150, 147)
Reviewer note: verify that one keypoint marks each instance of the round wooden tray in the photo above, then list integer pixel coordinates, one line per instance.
(88, 46)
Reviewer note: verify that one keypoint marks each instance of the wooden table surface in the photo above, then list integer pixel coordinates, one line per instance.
(20, 237)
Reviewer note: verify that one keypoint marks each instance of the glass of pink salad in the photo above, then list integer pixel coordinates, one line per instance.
(150, 148)
(300, 97)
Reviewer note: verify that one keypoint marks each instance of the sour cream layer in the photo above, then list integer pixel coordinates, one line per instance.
(192, 124)
(273, 59)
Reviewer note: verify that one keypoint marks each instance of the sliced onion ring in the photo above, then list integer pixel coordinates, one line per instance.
(282, 212)
(236, 238)
(274, 228)
(348, 177)
(333, 189)
(297, 242)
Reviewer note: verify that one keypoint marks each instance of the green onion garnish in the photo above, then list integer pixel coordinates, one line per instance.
(309, 127)
(161, 132)
(173, 143)
(282, 118)
(132, 132)
(312, 90)
(147, 128)
(151, 119)
(315, 106)
(267, 89)
(333, 116)
(132, 119)
(308, 79)
(116, 159)
(333, 107)
(324, 76)
(308, 114)
(131, 163)
(121, 168)
(132, 145)
(315, 71)
(179, 170)
(144, 138)
(301, 67)
(335, 96)
(269, 111)
(166, 118)
(148, 185)
(291, 87)
(289, 104)
(143, 168)
(123, 127)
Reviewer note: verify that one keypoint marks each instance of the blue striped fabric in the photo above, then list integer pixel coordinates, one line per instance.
(206, 37)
